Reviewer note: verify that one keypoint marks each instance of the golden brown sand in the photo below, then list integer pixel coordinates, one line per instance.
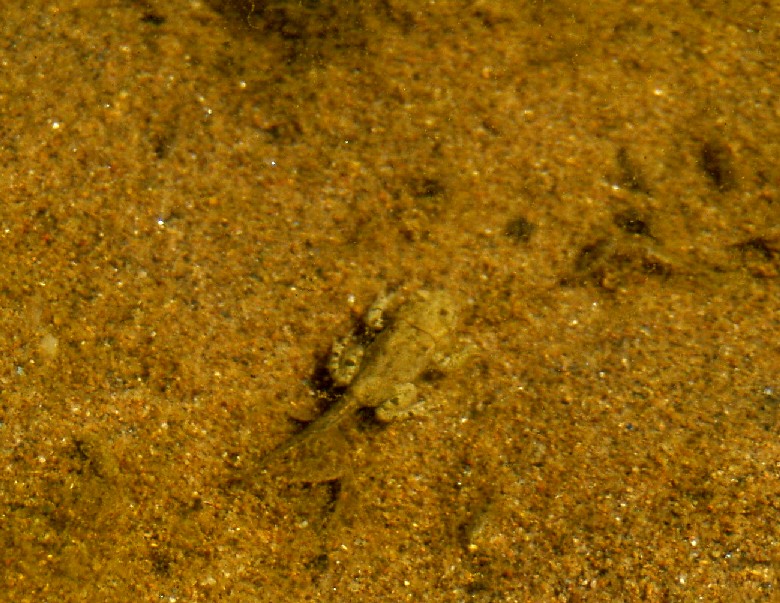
(197, 200)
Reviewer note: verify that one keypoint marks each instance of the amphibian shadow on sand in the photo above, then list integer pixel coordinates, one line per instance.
(376, 372)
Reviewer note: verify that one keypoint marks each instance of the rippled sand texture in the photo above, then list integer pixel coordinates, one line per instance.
(199, 197)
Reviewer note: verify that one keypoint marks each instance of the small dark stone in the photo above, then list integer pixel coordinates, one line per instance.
(427, 188)
(632, 223)
(153, 18)
(161, 562)
(519, 229)
(589, 254)
(717, 161)
(761, 246)
(318, 563)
